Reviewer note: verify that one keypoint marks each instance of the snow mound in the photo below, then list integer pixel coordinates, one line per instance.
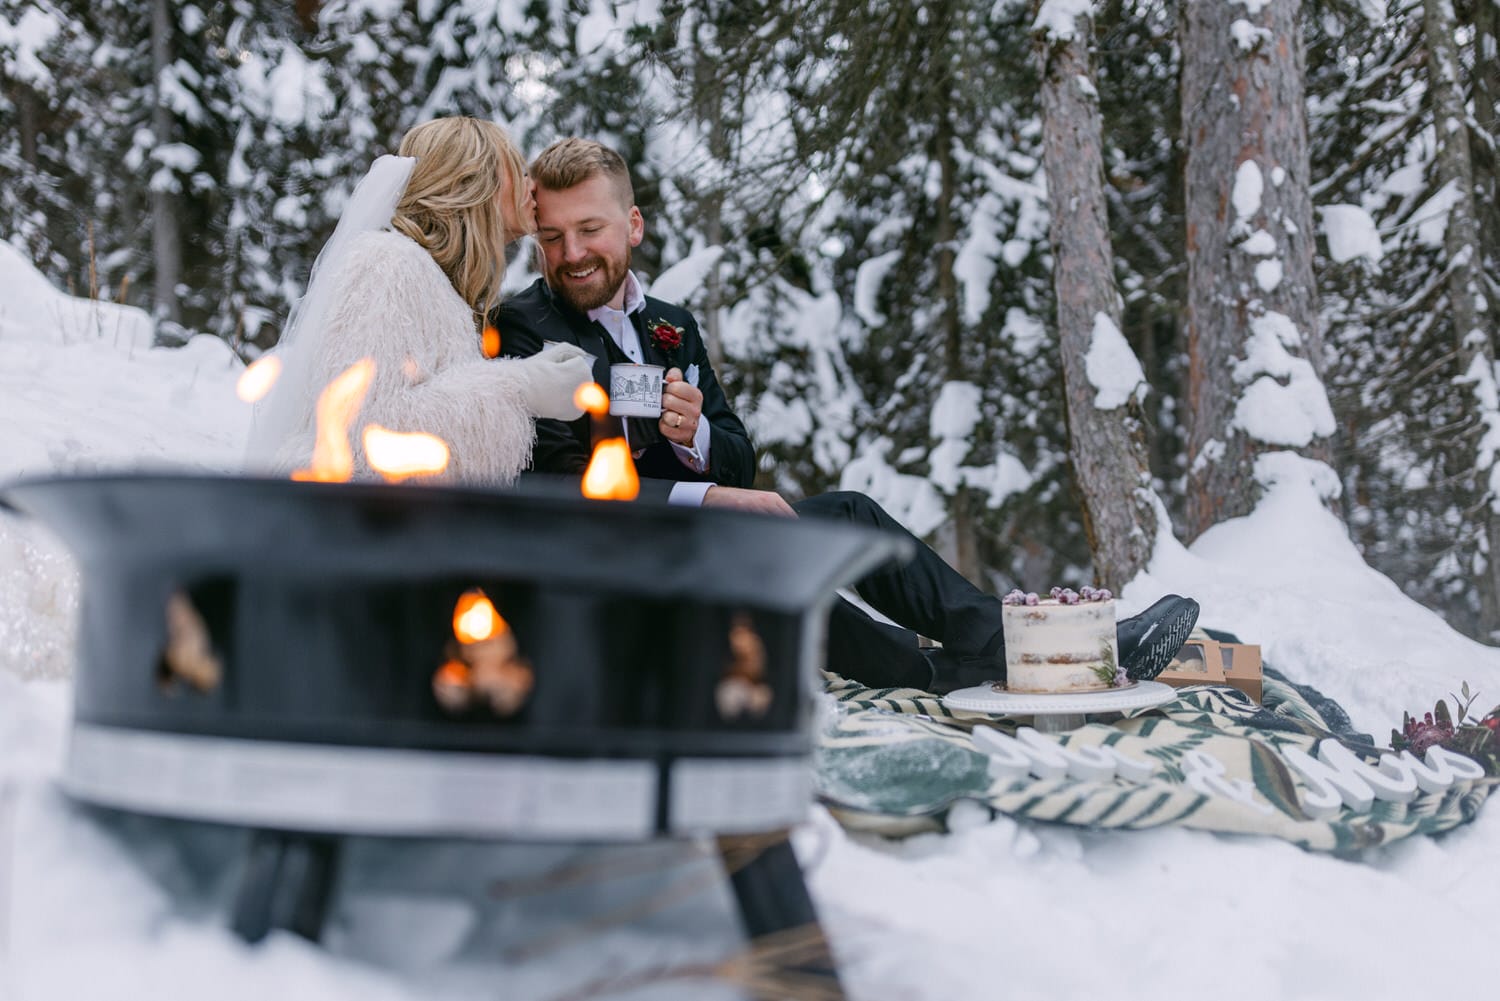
(31, 309)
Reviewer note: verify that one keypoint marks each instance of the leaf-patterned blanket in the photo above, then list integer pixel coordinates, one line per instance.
(894, 761)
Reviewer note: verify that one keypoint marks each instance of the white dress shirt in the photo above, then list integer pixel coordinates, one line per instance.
(617, 322)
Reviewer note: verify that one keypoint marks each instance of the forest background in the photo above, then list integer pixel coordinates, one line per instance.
(1047, 280)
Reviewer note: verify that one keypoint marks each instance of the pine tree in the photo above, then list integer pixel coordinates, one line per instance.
(1105, 384)
(1467, 295)
(1411, 423)
(1255, 391)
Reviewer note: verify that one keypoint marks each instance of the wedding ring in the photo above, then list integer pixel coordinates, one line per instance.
(677, 423)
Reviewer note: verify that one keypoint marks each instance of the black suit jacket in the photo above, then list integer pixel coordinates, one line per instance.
(530, 319)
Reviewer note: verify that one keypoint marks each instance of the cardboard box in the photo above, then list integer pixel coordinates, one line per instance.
(1203, 661)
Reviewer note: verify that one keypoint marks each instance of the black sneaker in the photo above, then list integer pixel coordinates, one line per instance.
(1150, 640)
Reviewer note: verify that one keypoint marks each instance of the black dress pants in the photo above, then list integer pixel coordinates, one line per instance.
(924, 595)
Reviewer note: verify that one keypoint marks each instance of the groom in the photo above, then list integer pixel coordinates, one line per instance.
(699, 453)
(590, 298)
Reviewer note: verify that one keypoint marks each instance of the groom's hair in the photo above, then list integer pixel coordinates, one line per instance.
(569, 162)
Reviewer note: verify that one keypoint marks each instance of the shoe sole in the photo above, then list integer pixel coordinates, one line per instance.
(1152, 658)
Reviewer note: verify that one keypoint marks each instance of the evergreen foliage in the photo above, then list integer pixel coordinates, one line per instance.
(1409, 426)
(857, 184)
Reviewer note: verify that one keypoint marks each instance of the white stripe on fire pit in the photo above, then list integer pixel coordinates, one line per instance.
(739, 795)
(370, 790)
(361, 790)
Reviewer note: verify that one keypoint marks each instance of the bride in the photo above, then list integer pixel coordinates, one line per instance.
(406, 280)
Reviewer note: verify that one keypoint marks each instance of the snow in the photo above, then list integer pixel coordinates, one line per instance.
(975, 262)
(1431, 219)
(1284, 402)
(1246, 35)
(31, 33)
(956, 411)
(1268, 275)
(111, 908)
(1248, 187)
(1058, 19)
(867, 282)
(912, 500)
(32, 310)
(778, 420)
(595, 27)
(177, 156)
(1276, 468)
(953, 418)
(296, 90)
(687, 276)
(1259, 244)
(178, 83)
(1026, 333)
(1032, 218)
(1404, 181)
(1481, 374)
(1351, 233)
(1112, 368)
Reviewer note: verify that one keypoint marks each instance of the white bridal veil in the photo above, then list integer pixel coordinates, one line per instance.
(286, 407)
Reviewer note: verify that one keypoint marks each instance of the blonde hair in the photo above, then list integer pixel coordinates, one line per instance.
(569, 162)
(451, 207)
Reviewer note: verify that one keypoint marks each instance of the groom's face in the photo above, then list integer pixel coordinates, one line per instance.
(586, 233)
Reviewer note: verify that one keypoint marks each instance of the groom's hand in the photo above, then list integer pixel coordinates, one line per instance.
(756, 501)
(681, 408)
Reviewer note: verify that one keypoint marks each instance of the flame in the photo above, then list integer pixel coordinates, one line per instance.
(591, 398)
(256, 381)
(475, 619)
(332, 459)
(611, 474)
(453, 672)
(489, 343)
(396, 455)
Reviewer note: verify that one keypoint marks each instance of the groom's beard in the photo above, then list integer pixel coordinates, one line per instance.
(594, 290)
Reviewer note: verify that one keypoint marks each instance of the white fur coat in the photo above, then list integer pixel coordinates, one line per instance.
(393, 303)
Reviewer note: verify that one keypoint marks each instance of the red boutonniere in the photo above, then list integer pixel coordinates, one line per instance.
(665, 336)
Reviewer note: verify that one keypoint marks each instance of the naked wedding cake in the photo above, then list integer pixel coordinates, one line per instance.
(1060, 644)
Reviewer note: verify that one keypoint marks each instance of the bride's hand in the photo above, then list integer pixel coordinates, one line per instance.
(552, 377)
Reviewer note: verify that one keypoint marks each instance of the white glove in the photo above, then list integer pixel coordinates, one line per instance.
(553, 375)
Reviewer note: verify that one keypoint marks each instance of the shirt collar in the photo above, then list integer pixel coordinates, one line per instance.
(635, 300)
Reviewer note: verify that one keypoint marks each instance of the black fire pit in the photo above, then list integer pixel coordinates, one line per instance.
(270, 654)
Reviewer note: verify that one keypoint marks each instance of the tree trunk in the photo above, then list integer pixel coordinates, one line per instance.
(707, 105)
(965, 554)
(1106, 439)
(166, 241)
(1486, 63)
(1254, 348)
(1467, 303)
(28, 120)
(1487, 67)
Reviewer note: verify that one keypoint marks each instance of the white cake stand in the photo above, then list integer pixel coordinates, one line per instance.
(1057, 713)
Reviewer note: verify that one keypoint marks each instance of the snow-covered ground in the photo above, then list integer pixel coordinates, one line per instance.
(100, 906)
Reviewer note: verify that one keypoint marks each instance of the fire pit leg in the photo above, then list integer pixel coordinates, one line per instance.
(778, 914)
(287, 882)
